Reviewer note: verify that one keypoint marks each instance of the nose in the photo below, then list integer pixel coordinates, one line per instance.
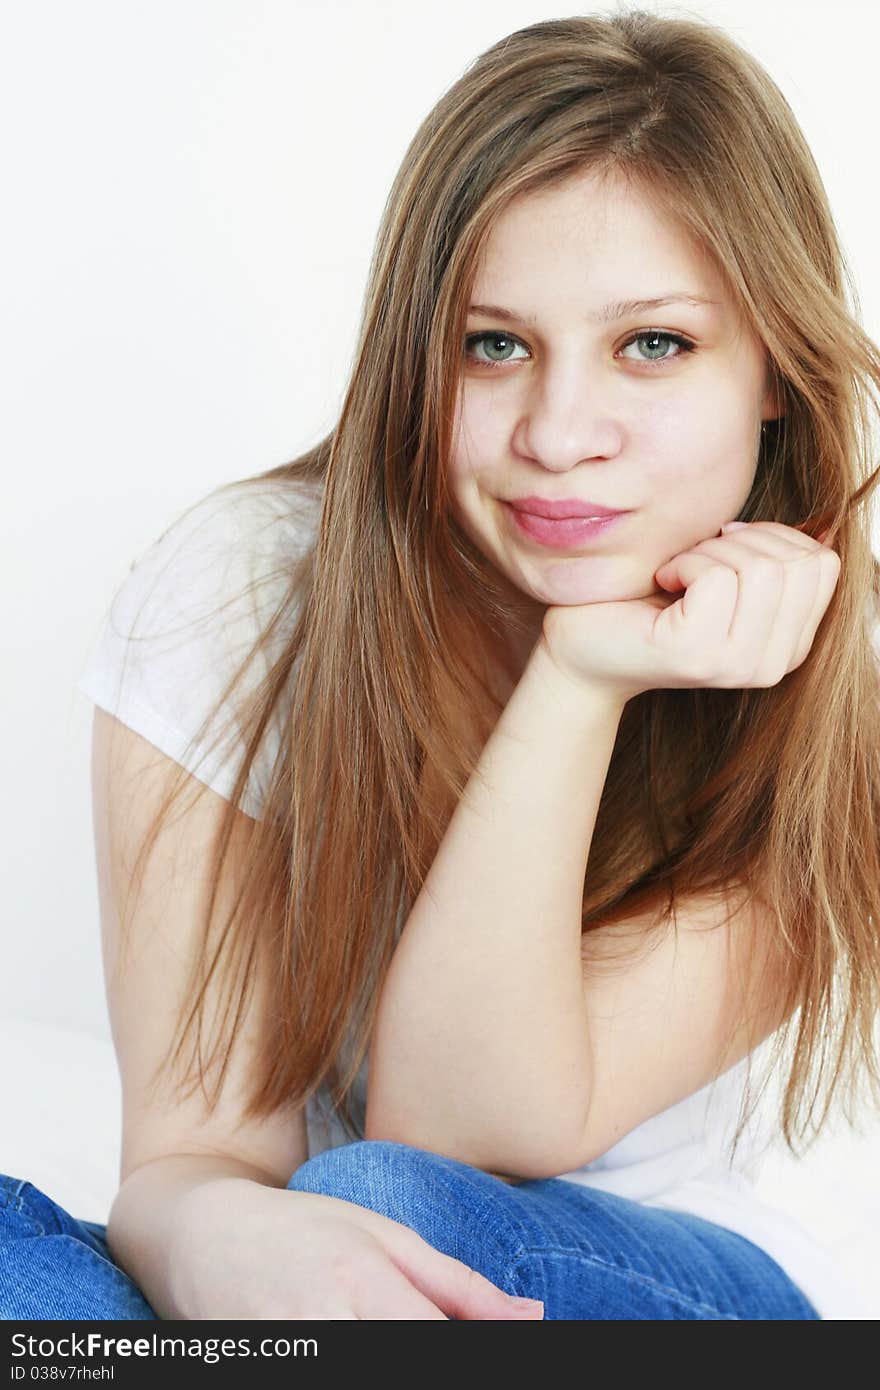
(567, 419)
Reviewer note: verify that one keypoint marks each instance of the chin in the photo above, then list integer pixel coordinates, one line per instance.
(569, 590)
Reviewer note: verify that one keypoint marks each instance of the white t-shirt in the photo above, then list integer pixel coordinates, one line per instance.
(163, 653)
(159, 662)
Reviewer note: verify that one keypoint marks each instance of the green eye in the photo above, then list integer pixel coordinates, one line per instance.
(657, 339)
(491, 341)
(494, 349)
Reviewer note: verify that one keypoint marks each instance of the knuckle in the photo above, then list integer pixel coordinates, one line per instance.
(473, 1281)
(470, 1277)
(739, 675)
(343, 1269)
(746, 676)
(769, 571)
(771, 675)
(699, 668)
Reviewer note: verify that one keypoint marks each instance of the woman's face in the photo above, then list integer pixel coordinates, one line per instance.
(561, 403)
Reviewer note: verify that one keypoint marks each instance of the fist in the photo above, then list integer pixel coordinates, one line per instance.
(741, 611)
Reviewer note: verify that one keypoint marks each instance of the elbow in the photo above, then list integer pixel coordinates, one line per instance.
(583, 1149)
(552, 1156)
(509, 1161)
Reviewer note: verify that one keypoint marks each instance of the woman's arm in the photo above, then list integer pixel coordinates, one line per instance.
(152, 1224)
(481, 1021)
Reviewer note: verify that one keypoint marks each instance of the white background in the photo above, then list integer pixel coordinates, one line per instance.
(191, 190)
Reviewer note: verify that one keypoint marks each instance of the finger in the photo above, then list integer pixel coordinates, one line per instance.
(447, 1281)
(706, 607)
(828, 577)
(797, 535)
(453, 1285)
(783, 584)
(391, 1297)
(753, 630)
(791, 593)
(777, 608)
(806, 536)
(766, 538)
(787, 647)
(807, 594)
(743, 614)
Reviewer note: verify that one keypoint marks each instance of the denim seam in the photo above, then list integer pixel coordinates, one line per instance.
(84, 1245)
(674, 1294)
(510, 1226)
(16, 1205)
(6, 1201)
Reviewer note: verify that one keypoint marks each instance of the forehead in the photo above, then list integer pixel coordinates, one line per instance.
(602, 237)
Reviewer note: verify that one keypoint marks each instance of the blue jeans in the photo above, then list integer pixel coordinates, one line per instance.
(588, 1254)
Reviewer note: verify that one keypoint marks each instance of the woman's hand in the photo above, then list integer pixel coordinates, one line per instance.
(753, 600)
(250, 1251)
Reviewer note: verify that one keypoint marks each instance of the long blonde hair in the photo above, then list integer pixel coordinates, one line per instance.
(775, 788)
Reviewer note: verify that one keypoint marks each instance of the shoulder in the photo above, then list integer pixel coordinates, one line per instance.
(234, 546)
(243, 520)
(198, 622)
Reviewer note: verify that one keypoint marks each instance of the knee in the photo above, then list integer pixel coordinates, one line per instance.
(360, 1165)
(379, 1174)
(451, 1204)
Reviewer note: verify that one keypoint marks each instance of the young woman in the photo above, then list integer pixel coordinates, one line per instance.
(560, 820)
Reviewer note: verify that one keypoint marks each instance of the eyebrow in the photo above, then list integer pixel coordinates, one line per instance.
(617, 310)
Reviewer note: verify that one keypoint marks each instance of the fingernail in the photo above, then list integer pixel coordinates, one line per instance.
(734, 526)
(527, 1302)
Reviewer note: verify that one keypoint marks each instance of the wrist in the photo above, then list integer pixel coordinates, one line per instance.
(566, 692)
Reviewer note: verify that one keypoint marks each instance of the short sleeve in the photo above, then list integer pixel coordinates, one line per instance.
(186, 617)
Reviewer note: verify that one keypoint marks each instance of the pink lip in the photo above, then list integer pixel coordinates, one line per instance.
(565, 534)
(561, 510)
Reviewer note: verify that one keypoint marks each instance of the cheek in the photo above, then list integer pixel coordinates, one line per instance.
(478, 435)
(701, 456)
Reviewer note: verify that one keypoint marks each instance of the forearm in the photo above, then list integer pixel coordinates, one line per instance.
(481, 1048)
(150, 1221)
